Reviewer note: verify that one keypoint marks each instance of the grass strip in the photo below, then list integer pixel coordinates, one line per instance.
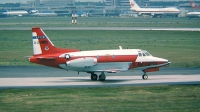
(116, 99)
(180, 47)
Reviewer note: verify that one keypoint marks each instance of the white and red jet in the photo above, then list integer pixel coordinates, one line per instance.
(111, 61)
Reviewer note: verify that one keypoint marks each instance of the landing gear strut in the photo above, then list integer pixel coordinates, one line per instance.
(144, 76)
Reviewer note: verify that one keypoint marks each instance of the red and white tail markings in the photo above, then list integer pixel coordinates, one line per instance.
(193, 5)
(43, 45)
(36, 47)
(133, 4)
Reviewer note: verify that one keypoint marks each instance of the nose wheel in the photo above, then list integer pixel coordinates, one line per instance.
(145, 76)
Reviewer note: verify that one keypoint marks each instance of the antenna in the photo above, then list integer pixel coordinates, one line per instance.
(120, 47)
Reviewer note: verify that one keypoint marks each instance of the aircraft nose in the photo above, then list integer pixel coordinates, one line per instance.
(169, 62)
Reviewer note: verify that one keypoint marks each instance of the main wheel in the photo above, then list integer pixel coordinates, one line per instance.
(145, 76)
(102, 77)
(94, 77)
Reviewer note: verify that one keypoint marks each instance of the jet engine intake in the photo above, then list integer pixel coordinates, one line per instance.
(82, 62)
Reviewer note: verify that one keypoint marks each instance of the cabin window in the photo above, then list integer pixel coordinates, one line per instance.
(98, 56)
(140, 54)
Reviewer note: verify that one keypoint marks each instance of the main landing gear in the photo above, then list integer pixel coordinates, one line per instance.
(94, 77)
(144, 76)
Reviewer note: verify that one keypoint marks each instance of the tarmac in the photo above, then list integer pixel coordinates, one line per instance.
(41, 76)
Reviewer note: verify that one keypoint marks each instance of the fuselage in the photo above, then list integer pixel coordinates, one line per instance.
(161, 11)
(43, 14)
(106, 60)
(193, 14)
(17, 13)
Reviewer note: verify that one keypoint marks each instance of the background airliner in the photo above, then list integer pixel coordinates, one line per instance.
(154, 12)
(16, 13)
(36, 13)
(94, 61)
(193, 14)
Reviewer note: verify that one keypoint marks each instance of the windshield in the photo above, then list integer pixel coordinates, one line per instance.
(143, 53)
(147, 53)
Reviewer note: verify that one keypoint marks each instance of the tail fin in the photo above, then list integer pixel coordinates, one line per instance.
(43, 45)
(193, 5)
(134, 5)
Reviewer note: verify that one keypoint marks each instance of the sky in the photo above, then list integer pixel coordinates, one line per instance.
(25, 1)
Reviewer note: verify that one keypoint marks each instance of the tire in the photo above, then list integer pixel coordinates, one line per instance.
(145, 77)
(100, 78)
(94, 77)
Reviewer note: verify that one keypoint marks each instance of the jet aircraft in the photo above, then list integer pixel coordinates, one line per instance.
(19, 13)
(193, 14)
(93, 61)
(154, 12)
(36, 13)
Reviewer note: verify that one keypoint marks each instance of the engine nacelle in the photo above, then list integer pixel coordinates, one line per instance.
(82, 62)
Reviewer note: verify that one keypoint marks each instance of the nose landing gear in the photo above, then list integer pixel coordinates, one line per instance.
(144, 76)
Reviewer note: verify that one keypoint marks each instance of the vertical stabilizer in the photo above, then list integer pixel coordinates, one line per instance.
(41, 43)
(134, 5)
(193, 5)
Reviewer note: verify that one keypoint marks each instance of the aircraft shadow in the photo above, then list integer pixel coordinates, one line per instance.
(90, 81)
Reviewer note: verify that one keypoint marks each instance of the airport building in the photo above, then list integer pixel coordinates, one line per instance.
(124, 2)
(103, 8)
(51, 3)
(56, 3)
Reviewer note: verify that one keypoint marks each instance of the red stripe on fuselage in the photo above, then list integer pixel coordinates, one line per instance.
(100, 59)
(110, 58)
(146, 64)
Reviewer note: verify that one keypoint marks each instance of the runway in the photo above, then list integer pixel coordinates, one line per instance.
(40, 76)
(105, 28)
(110, 81)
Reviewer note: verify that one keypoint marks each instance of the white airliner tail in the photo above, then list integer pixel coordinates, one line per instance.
(134, 5)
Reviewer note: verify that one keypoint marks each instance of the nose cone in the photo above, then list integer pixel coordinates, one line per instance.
(169, 62)
(163, 61)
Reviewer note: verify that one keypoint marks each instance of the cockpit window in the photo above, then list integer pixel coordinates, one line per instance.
(140, 54)
(147, 54)
(143, 53)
